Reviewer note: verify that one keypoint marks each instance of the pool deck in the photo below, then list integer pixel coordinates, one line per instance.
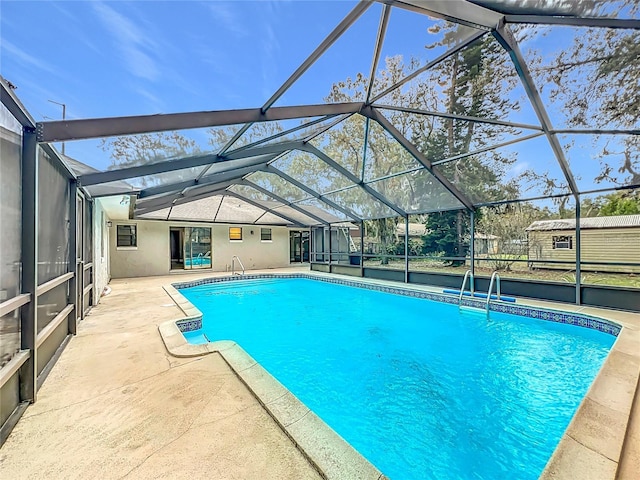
(117, 404)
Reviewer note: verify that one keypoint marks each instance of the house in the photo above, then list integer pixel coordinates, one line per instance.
(208, 233)
(485, 244)
(605, 243)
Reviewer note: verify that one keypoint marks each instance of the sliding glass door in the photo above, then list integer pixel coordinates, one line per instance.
(190, 247)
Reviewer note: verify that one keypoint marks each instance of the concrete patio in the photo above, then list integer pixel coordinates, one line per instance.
(117, 405)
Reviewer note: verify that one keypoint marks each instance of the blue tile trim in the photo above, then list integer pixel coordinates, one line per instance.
(599, 324)
(189, 325)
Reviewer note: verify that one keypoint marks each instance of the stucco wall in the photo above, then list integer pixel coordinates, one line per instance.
(253, 252)
(101, 266)
(152, 255)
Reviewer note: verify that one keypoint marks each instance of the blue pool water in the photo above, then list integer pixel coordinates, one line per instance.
(420, 389)
(198, 262)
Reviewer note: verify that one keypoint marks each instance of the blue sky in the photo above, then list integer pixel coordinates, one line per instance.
(144, 57)
(127, 58)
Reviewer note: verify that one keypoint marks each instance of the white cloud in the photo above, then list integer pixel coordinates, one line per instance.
(24, 58)
(224, 14)
(131, 41)
(270, 48)
(519, 168)
(156, 103)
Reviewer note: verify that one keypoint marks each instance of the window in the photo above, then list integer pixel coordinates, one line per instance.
(127, 236)
(235, 233)
(562, 243)
(265, 234)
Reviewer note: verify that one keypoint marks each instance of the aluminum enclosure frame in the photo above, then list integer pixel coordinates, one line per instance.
(480, 16)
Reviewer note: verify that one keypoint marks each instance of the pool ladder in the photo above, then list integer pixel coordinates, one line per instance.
(233, 265)
(468, 275)
(495, 278)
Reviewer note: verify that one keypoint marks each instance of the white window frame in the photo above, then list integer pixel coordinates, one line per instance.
(270, 240)
(135, 234)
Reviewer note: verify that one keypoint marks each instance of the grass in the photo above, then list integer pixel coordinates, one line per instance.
(523, 273)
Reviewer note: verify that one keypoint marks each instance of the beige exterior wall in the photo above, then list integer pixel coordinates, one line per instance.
(253, 252)
(101, 264)
(597, 245)
(152, 255)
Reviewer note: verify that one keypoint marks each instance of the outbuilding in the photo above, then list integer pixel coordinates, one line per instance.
(606, 243)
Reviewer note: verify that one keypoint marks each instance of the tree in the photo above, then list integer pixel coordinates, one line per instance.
(135, 150)
(620, 204)
(143, 149)
(507, 227)
(595, 83)
(381, 157)
(443, 237)
(469, 88)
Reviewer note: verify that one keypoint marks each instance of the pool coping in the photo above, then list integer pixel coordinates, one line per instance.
(592, 444)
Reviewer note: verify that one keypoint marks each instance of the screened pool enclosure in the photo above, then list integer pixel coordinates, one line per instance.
(464, 123)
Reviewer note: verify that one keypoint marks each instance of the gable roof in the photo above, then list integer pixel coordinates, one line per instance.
(231, 209)
(616, 221)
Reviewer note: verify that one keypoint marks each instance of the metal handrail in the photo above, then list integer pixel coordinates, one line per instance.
(495, 277)
(467, 275)
(233, 265)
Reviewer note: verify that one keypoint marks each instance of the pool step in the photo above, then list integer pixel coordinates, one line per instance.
(466, 309)
(479, 295)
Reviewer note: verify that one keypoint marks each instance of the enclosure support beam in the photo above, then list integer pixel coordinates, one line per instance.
(337, 32)
(15, 107)
(284, 201)
(283, 133)
(463, 44)
(312, 192)
(382, 30)
(326, 127)
(336, 166)
(209, 179)
(266, 209)
(415, 153)
(574, 21)
(58, 131)
(578, 253)
(489, 148)
(465, 13)
(406, 249)
(28, 313)
(148, 208)
(329, 228)
(453, 116)
(362, 249)
(503, 35)
(367, 125)
(597, 131)
(472, 246)
(169, 165)
(73, 256)
(164, 201)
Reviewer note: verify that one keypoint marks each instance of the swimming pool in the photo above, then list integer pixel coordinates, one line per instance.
(419, 389)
